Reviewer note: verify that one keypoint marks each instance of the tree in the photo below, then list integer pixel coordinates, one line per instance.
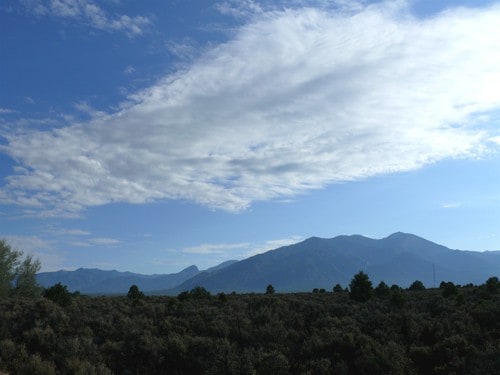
(338, 288)
(183, 296)
(199, 292)
(382, 290)
(134, 293)
(417, 285)
(492, 284)
(448, 289)
(26, 284)
(23, 273)
(221, 297)
(9, 260)
(59, 294)
(397, 298)
(361, 287)
(270, 289)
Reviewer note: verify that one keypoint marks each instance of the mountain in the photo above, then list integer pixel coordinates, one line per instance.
(316, 262)
(95, 281)
(321, 263)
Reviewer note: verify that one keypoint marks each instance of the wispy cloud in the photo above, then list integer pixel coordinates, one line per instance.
(104, 241)
(495, 139)
(96, 241)
(89, 13)
(259, 248)
(451, 205)
(240, 249)
(298, 99)
(68, 232)
(211, 254)
(215, 248)
(6, 110)
(129, 70)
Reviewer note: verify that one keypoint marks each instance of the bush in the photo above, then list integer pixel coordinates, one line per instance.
(493, 285)
(417, 285)
(448, 289)
(36, 365)
(59, 294)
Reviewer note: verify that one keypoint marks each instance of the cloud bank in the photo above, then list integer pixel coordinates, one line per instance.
(297, 100)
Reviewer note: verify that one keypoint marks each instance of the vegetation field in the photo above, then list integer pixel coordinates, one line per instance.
(450, 330)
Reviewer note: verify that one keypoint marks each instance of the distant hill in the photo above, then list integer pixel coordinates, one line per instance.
(321, 263)
(95, 281)
(316, 262)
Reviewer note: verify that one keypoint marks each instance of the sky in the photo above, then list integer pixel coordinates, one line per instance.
(148, 136)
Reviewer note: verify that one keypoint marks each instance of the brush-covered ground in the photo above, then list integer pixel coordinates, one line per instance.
(448, 330)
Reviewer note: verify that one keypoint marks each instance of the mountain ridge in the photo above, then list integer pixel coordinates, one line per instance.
(315, 262)
(399, 258)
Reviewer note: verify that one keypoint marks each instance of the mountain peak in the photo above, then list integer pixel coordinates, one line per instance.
(399, 235)
(190, 268)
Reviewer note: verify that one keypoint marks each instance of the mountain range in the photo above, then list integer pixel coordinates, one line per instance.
(400, 259)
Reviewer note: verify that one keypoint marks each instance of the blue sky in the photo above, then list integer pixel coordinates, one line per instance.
(149, 136)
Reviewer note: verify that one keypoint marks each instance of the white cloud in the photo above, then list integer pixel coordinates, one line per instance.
(495, 139)
(239, 250)
(129, 70)
(68, 232)
(241, 8)
(214, 248)
(451, 205)
(87, 12)
(187, 49)
(272, 244)
(298, 99)
(104, 241)
(99, 241)
(6, 110)
(80, 244)
(45, 250)
(211, 254)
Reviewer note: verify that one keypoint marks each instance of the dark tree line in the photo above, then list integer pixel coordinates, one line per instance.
(417, 331)
(357, 330)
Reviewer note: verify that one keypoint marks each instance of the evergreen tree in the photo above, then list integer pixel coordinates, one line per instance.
(493, 285)
(361, 287)
(338, 288)
(417, 285)
(134, 293)
(382, 290)
(270, 289)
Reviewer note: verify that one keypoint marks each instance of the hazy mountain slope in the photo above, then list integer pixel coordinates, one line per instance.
(398, 259)
(95, 281)
(144, 282)
(314, 263)
(79, 279)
